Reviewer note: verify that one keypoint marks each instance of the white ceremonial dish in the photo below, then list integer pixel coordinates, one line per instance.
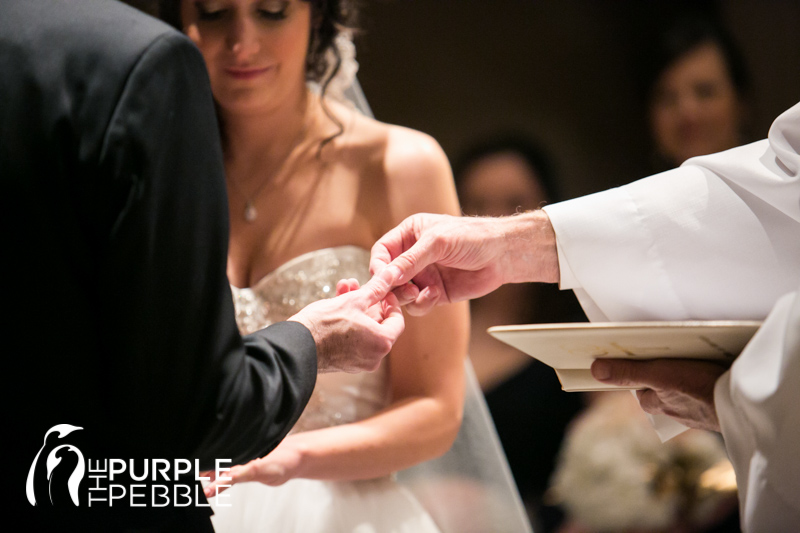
(571, 348)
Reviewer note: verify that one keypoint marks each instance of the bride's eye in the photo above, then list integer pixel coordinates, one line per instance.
(210, 10)
(273, 9)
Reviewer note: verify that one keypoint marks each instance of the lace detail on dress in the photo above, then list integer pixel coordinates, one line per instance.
(251, 311)
(295, 284)
(338, 398)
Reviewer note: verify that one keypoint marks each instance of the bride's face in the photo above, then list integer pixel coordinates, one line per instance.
(255, 50)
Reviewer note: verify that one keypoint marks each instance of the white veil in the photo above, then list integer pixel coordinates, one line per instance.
(469, 489)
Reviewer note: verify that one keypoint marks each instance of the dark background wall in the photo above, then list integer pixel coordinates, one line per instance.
(563, 71)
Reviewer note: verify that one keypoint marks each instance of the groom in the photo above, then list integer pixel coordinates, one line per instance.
(121, 322)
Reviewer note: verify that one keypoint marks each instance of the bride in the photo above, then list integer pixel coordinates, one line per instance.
(312, 183)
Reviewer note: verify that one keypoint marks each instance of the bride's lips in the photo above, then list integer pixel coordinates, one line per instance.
(246, 73)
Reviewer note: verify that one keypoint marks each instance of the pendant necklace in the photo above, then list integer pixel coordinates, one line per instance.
(250, 212)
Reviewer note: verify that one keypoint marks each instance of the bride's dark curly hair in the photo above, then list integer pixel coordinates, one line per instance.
(328, 19)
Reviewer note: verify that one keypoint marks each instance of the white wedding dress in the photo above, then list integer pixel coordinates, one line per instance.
(452, 489)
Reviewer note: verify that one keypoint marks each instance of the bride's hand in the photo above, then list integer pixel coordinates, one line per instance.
(357, 328)
(275, 469)
(376, 312)
(346, 285)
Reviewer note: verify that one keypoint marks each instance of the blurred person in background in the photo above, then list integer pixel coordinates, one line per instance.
(502, 175)
(697, 88)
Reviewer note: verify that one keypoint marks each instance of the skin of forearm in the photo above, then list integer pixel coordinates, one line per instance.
(406, 433)
(529, 249)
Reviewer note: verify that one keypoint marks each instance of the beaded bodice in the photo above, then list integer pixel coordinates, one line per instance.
(338, 398)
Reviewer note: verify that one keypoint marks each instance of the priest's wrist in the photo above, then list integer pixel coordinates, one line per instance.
(530, 253)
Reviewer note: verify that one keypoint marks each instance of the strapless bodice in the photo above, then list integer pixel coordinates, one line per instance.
(338, 398)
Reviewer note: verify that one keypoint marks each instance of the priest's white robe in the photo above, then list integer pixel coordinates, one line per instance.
(717, 238)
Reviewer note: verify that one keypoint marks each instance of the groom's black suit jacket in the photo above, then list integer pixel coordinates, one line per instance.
(119, 317)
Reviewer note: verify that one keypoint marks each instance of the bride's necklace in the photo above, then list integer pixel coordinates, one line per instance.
(250, 212)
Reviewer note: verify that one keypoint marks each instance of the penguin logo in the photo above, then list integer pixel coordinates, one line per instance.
(53, 461)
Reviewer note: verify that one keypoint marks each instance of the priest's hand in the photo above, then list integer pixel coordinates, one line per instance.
(449, 259)
(679, 388)
(357, 328)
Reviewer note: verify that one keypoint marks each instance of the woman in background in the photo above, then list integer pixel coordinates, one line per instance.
(698, 91)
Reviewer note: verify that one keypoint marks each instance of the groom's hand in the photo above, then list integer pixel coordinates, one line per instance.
(357, 328)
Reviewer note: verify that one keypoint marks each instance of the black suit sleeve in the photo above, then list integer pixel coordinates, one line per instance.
(200, 390)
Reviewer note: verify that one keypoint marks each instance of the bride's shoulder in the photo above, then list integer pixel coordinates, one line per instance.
(417, 174)
(404, 153)
(415, 157)
(407, 143)
(405, 169)
(366, 130)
